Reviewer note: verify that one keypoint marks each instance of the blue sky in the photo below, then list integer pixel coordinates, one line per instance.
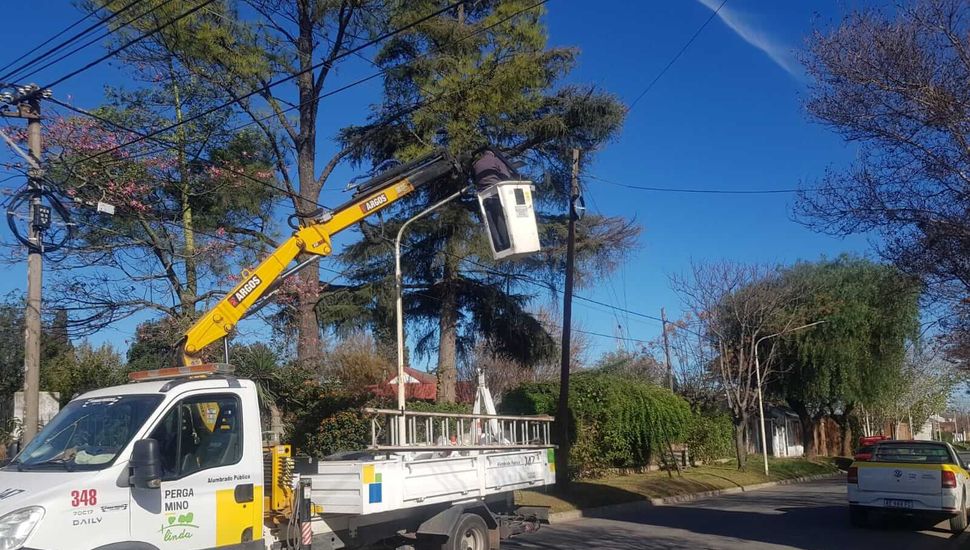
(727, 115)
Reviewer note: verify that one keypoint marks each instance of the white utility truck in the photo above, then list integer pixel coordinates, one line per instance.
(921, 478)
(177, 459)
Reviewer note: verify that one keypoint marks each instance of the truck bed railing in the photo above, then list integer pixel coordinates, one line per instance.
(435, 431)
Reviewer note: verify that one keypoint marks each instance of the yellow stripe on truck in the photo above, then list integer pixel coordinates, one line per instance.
(908, 466)
(238, 522)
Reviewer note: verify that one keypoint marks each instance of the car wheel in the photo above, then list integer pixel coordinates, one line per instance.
(858, 516)
(958, 523)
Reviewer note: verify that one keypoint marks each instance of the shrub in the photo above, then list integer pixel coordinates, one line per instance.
(345, 430)
(333, 420)
(711, 436)
(322, 419)
(615, 421)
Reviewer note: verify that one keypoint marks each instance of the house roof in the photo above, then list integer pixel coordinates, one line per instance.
(781, 411)
(418, 385)
(421, 376)
(422, 385)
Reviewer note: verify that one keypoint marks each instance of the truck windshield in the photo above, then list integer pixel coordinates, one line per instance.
(87, 434)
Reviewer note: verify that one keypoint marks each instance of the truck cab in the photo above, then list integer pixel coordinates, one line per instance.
(161, 463)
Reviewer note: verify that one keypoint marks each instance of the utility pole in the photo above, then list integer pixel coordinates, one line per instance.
(30, 109)
(562, 414)
(39, 216)
(670, 368)
(27, 102)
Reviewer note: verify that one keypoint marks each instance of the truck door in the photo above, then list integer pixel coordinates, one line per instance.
(210, 480)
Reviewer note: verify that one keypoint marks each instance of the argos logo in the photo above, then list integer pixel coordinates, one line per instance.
(245, 290)
(374, 203)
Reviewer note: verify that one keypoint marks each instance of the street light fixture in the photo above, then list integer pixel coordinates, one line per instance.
(757, 374)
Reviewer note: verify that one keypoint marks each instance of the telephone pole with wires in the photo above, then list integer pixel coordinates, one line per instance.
(670, 368)
(27, 103)
(576, 210)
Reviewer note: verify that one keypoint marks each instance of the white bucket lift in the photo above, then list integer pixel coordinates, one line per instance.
(510, 218)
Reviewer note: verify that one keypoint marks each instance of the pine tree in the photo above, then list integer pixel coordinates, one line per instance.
(479, 75)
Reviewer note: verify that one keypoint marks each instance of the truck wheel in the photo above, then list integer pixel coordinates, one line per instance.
(470, 533)
(858, 516)
(958, 523)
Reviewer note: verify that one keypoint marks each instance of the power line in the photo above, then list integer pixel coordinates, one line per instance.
(384, 72)
(612, 286)
(54, 49)
(700, 191)
(346, 273)
(48, 41)
(487, 269)
(591, 333)
(612, 336)
(127, 44)
(292, 195)
(94, 40)
(276, 82)
(676, 57)
(355, 51)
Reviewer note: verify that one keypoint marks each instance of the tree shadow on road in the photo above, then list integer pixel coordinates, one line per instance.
(811, 519)
(814, 518)
(584, 495)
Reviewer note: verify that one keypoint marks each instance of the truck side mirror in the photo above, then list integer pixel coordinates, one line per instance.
(146, 464)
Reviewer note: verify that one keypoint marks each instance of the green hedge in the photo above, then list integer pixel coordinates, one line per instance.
(711, 436)
(334, 421)
(616, 421)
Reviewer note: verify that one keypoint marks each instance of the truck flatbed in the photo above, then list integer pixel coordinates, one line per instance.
(406, 480)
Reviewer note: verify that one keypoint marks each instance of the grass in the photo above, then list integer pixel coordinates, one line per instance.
(617, 489)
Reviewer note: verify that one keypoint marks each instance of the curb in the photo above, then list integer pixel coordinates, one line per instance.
(572, 515)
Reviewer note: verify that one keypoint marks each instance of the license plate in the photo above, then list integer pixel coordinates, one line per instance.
(895, 503)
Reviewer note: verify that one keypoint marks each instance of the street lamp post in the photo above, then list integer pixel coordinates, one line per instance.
(757, 374)
(401, 426)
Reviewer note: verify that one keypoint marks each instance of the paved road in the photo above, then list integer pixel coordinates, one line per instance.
(811, 516)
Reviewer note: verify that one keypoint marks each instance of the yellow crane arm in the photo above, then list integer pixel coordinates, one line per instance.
(312, 239)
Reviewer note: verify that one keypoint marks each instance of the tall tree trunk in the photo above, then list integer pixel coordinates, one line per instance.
(448, 318)
(808, 428)
(846, 432)
(845, 429)
(808, 437)
(190, 290)
(308, 346)
(823, 446)
(740, 443)
(448, 330)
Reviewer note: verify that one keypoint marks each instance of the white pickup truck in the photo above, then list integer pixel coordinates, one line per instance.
(924, 478)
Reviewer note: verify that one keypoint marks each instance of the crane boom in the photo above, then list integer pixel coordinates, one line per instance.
(314, 239)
